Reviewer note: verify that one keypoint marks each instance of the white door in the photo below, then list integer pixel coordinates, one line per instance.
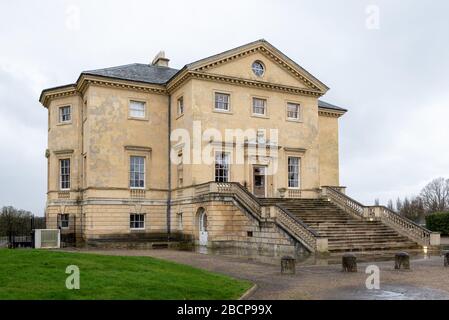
(203, 229)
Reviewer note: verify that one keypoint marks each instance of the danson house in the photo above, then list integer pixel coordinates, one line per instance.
(113, 179)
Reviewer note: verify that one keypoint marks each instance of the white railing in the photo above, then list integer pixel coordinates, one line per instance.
(344, 202)
(399, 223)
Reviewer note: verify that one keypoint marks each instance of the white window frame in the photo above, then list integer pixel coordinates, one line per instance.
(223, 102)
(253, 107)
(65, 174)
(227, 167)
(298, 172)
(131, 171)
(61, 114)
(298, 112)
(133, 222)
(133, 102)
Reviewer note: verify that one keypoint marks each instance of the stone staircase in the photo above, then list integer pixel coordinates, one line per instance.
(344, 231)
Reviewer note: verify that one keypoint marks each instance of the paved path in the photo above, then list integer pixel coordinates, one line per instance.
(428, 279)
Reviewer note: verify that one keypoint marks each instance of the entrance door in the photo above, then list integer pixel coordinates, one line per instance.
(203, 228)
(259, 179)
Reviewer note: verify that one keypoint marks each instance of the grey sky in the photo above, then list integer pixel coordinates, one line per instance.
(394, 80)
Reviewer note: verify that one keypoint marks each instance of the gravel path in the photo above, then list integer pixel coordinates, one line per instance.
(428, 279)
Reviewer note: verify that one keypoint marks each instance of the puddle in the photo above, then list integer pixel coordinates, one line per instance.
(308, 259)
(388, 292)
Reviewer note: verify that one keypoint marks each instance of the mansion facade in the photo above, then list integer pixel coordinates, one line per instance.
(117, 173)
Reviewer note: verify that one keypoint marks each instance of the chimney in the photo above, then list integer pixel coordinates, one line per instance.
(160, 60)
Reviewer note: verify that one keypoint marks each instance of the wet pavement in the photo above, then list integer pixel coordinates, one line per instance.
(317, 277)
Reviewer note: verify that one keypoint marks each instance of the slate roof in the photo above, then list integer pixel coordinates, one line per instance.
(136, 72)
(322, 104)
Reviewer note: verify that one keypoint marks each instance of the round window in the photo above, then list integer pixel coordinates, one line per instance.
(258, 68)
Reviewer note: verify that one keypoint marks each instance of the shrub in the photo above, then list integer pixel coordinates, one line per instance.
(438, 222)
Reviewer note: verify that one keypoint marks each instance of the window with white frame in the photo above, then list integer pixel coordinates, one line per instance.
(222, 167)
(137, 221)
(64, 220)
(180, 106)
(293, 111)
(259, 106)
(64, 174)
(222, 101)
(293, 172)
(65, 114)
(137, 109)
(137, 172)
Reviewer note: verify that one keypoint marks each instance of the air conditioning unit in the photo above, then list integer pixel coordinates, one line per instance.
(47, 238)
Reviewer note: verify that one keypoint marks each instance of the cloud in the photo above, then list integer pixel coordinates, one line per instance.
(393, 80)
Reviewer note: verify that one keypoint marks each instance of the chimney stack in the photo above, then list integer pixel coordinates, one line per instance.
(160, 60)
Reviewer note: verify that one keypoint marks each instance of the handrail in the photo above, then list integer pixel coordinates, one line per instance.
(344, 202)
(409, 227)
(283, 218)
(399, 223)
(296, 228)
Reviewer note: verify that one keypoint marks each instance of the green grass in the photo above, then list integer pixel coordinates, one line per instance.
(38, 274)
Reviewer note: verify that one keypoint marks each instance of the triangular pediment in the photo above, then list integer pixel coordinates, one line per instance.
(278, 68)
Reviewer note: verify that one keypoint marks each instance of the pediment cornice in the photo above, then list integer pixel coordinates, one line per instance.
(242, 82)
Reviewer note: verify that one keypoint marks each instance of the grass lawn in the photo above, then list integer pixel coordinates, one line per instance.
(38, 274)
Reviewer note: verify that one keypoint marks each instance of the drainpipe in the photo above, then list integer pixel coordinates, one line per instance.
(169, 171)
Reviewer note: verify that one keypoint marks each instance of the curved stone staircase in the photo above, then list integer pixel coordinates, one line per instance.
(345, 232)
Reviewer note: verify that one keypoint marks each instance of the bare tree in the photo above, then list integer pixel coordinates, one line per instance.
(12, 220)
(435, 196)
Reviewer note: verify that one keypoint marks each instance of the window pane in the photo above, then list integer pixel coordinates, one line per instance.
(222, 101)
(221, 167)
(137, 172)
(137, 109)
(293, 111)
(259, 106)
(293, 172)
(137, 221)
(65, 114)
(64, 173)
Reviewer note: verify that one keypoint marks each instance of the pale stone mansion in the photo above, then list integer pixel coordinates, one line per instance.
(117, 175)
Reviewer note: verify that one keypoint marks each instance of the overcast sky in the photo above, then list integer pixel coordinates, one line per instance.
(391, 73)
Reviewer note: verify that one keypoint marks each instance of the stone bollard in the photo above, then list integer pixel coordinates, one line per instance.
(349, 262)
(402, 261)
(288, 265)
(446, 259)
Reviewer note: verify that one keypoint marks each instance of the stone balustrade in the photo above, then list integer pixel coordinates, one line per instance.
(399, 223)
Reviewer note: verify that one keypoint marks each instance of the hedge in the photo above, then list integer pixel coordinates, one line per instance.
(438, 222)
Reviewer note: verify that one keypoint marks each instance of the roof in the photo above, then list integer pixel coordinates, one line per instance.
(136, 72)
(159, 75)
(322, 104)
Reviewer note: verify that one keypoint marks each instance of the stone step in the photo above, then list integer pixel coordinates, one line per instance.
(344, 231)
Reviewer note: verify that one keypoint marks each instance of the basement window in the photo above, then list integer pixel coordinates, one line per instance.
(64, 221)
(137, 221)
